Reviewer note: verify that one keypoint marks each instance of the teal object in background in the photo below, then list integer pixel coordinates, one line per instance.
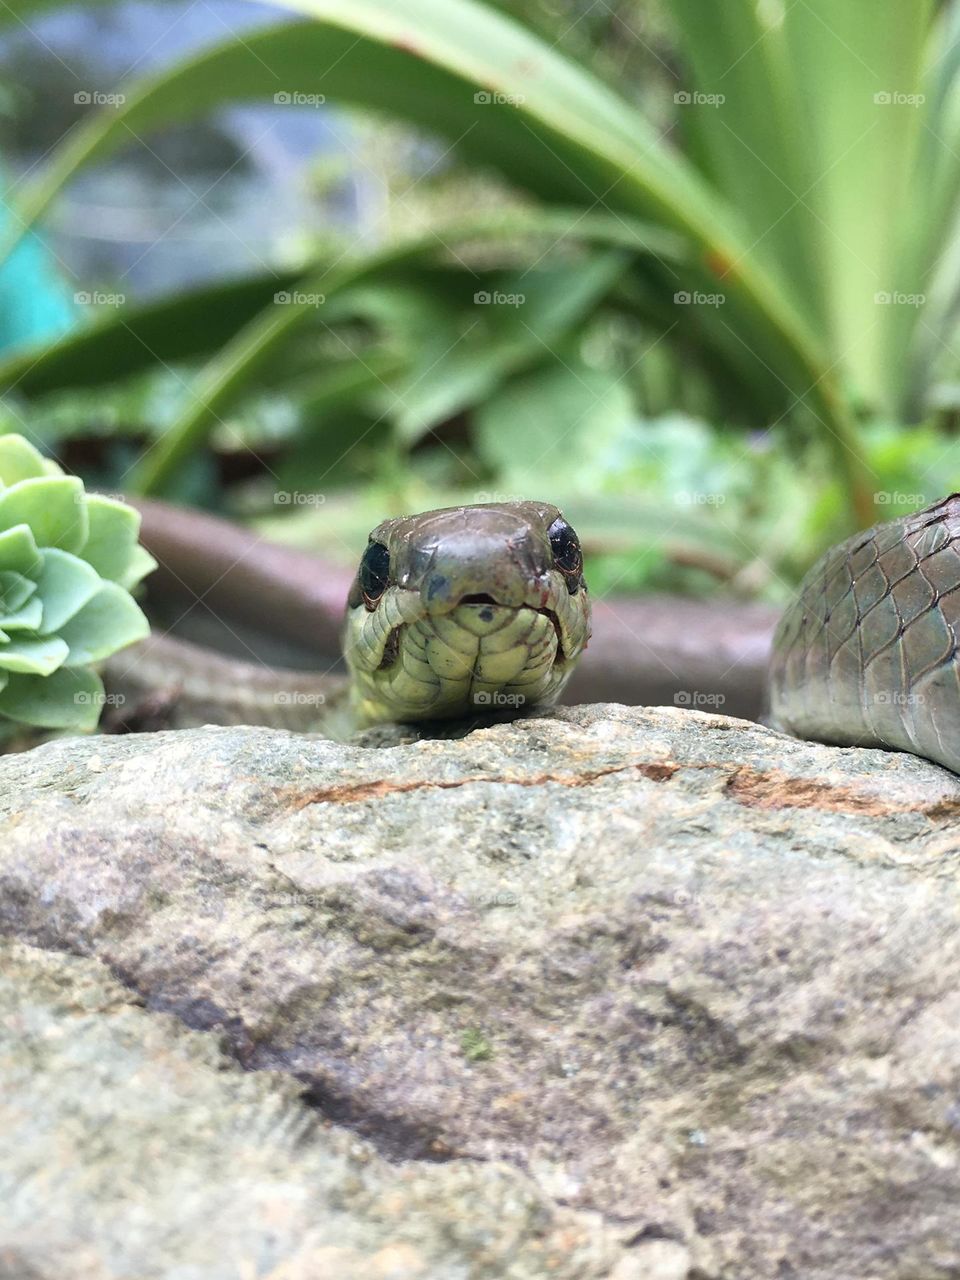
(34, 302)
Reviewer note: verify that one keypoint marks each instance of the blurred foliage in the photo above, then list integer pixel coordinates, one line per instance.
(595, 230)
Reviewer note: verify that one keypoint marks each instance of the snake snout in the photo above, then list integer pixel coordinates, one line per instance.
(492, 584)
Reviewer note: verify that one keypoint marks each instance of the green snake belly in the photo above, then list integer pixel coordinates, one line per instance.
(867, 653)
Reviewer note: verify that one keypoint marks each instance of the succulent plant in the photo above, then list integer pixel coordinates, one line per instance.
(68, 560)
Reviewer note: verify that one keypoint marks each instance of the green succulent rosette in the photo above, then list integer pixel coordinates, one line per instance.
(68, 561)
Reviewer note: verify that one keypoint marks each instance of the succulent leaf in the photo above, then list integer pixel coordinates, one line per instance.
(34, 655)
(19, 460)
(19, 550)
(15, 591)
(109, 621)
(112, 539)
(27, 618)
(141, 563)
(65, 584)
(68, 560)
(71, 698)
(53, 506)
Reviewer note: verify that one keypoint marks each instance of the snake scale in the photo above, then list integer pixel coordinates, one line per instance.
(467, 611)
(867, 654)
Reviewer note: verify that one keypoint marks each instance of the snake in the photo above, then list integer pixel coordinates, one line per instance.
(456, 613)
(477, 611)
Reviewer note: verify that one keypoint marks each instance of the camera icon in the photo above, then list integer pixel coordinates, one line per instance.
(682, 98)
(282, 299)
(681, 698)
(481, 299)
(482, 97)
(482, 699)
(282, 498)
(882, 299)
(882, 99)
(83, 98)
(682, 299)
(282, 99)
(282, 699)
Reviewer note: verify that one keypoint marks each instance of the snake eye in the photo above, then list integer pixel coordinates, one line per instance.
(567, 556)
(374, 573)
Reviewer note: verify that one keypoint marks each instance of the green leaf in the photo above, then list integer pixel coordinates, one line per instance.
(19, 551)
(189, 324)
(65, 584)
(71, 698)
(19, 460)
(739, 113)
(566, 138)
(15, 590)
(34, 656)
(53, 506)
(539, 424)
(141, 563)
(853, 60)
(114, 530)
(29, 8)
(27, 618)
(501, 337)
(425, 60)
(111, 620)
(225, 375)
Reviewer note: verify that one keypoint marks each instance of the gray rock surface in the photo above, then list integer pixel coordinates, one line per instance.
(612, 992)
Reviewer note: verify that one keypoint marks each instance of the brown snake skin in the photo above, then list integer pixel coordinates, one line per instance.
(867, 654)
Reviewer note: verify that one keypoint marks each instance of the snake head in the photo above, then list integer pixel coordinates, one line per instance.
(466, 611)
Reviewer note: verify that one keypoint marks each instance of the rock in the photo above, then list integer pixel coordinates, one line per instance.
(619, 992)
(133, 1147)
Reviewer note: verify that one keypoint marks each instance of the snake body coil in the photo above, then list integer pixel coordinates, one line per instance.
(867, 653)
(472, 610)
